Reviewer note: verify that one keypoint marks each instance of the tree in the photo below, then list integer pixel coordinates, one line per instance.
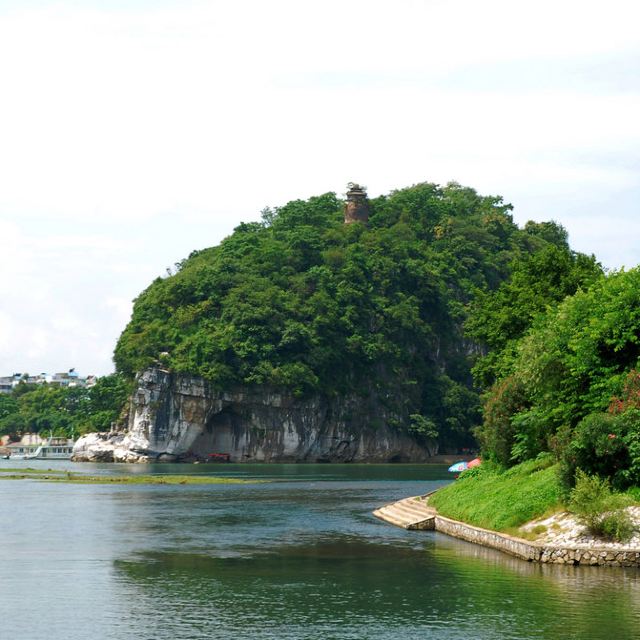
(64, 411)
(538, 282)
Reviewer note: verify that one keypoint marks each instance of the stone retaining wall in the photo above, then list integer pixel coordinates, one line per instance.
(535, 552)
(513, 546)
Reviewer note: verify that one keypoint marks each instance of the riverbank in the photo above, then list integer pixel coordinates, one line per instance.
(518, 511)
(563, 541)
(492, 498)
(566, 543)
(563, 529)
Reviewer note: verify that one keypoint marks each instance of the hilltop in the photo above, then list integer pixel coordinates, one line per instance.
(394, 308)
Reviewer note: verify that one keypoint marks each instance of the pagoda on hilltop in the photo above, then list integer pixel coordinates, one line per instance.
(356, 208)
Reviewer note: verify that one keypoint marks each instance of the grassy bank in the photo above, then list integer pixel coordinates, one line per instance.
(80, 478)
(493, 498)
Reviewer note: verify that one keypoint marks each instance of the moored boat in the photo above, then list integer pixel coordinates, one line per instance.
(49, 449)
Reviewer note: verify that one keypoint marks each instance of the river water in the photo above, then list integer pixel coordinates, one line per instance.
(298, 556)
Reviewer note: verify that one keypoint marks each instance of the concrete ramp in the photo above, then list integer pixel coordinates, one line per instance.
(409, 513)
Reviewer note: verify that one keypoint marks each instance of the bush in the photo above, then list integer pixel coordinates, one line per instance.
(605, 445)
(617, 526)
(630, 421)
(599, 509)
(530, 437)
(497, 433)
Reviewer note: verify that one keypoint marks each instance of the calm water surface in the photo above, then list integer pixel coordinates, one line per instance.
(299, 556)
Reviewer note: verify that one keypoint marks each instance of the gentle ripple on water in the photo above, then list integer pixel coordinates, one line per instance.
(299, 557)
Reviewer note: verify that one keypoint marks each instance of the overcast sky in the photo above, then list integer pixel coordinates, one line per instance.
(134, 131)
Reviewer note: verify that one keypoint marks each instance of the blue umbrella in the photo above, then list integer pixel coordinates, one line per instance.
(458, 467)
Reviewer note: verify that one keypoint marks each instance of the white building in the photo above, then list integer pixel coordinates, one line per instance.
(65, 379)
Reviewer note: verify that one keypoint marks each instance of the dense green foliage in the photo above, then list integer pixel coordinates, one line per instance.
(607, 445)
(599, 509)
(63, 410)
(570, 386)
(538, 282)
(491, 497)
(303, 301)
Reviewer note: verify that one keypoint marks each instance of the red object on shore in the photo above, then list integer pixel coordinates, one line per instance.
(476, 462)
(219, 457)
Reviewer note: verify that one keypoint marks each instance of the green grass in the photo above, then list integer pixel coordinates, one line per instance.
(492, 498)
(79, 478)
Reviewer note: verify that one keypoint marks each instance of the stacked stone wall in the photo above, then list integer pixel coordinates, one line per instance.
(513, 546)
(536, 552)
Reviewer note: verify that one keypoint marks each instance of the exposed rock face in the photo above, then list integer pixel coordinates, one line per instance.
(177, 417)
(104, 447)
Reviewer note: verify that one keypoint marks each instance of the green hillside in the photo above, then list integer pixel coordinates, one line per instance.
(302, 301)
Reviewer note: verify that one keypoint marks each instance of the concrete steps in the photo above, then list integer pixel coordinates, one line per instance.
(409, 513)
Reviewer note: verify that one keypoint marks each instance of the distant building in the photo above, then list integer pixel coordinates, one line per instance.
(6, 384)
(91, 381)
(64, 379)
(356, 208)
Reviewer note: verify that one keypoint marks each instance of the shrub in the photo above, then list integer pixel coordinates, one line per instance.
(617, 526)
(630, 422)
(606, 445)
(599, 509)
(497, 433)
(530, 437)
(630, 396)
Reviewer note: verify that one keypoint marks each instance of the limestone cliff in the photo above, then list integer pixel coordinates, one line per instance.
(176, 417)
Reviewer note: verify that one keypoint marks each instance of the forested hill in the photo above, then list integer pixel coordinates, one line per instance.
(302, 301)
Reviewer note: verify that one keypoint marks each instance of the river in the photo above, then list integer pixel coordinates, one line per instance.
(298, 556)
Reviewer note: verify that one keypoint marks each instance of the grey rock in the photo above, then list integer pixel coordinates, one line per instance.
(174, 417)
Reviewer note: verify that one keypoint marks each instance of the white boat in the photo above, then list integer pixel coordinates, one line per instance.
(49, 449)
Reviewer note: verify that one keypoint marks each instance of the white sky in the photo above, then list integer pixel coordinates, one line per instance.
(134, 131)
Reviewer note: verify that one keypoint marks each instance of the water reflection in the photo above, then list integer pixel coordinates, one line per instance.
(300, 557)
(352, 588)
